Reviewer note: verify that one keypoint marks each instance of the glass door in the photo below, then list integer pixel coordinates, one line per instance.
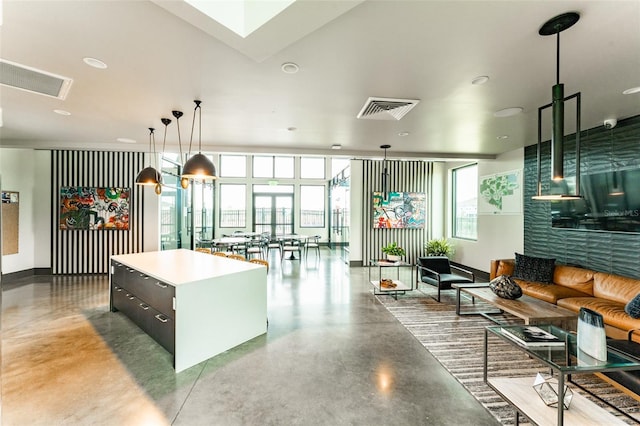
(273, 213)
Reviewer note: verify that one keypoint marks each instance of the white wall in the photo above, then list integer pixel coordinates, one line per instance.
(28, 172)
(356, 211)
(499, 236)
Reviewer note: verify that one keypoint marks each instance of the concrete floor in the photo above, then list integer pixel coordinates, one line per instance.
(332, 356)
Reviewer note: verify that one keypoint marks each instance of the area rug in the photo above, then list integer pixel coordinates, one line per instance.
(457, 342)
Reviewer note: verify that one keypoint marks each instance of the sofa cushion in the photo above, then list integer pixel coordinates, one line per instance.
(531, 268)
(577, 278)
(612, 312)
(615, 287)
(548, 292)
(633, 307)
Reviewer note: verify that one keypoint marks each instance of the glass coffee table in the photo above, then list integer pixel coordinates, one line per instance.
(563, 361)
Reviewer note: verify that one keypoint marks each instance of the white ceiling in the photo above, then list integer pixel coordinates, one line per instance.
(162, 55)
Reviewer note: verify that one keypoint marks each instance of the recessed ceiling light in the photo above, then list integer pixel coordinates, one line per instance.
(336, 146)
(292, 129)
(508, 112)
(126, 140)
(61, 112)
(290, 68)
(95, 63)
(632, 90)
(503, 137)
(403, 134)
(480, 80)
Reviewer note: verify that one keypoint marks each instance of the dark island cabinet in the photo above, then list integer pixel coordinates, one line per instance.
(146, 301)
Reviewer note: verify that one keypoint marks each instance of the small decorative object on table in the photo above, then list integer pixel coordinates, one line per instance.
(504, 286)
(387, 283)
(592, 339)
(547, 388)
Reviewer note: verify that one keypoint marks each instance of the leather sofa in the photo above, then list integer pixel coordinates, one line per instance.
(575, 287)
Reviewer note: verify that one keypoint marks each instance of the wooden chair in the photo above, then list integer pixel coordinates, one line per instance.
(236, 256)
(203, 250)
(260, 262)
(220, 253)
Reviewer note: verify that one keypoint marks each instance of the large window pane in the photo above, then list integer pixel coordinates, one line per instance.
(338, 165)
(233, 166)
(233, 208)
(284, 167)
(312, 168)
(465, 202)
(312, 201)
(262, 167)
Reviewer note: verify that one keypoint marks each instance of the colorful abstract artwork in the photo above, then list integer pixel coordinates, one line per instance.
(94, 208)
(399, 210)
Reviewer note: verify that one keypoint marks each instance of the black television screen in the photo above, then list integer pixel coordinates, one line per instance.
(611, 202)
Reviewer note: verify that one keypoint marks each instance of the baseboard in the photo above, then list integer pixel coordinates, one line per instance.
(13, 276)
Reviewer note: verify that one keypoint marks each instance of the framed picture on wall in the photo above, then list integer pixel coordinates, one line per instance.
(501, 193)
(94, 208)
(399, 210)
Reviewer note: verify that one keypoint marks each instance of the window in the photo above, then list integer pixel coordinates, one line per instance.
(465, 202)
(312, 168)
(233, 166)
(233, 206)
(272, 167)
(338, 165)
(312, 206)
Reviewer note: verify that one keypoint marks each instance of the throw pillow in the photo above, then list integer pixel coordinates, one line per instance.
(503, 286)
(531, 268)
(633, 307)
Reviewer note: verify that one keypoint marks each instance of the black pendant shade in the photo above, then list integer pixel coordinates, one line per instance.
(198, 166)
(149, 175)
(555, 26)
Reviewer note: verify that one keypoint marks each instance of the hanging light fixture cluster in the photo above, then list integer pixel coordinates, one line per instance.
(385, 174)
(197, 167)
(555, 26)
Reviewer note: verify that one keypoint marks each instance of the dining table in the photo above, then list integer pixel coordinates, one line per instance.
(290, 237)
(230, 242)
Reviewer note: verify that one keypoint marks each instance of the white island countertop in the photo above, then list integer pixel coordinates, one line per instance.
(182, 266)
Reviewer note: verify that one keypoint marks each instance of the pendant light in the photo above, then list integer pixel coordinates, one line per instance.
(184, 182)
(198, 166)
(385, 174)
(555, 26)
(149, 175)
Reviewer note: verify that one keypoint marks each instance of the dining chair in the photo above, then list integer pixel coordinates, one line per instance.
(203, 250)
(260, 262)
(312, 243)
(290, 246)
(237, 256)
(220, 253)
(256, 247)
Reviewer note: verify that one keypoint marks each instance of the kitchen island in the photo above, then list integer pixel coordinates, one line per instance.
(193, 304)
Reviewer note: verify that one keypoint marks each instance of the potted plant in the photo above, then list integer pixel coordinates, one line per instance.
(439, 247)
(393, 251)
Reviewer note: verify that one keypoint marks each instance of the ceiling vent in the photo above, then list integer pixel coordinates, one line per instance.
(386, 108)
(33, 80)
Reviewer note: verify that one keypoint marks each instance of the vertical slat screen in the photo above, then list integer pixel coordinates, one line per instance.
(404, 176)
(87, 252)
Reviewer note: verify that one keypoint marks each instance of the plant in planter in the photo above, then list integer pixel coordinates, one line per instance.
(439, 247)
(393, 251)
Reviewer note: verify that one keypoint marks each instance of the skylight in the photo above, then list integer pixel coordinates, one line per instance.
(241, 16)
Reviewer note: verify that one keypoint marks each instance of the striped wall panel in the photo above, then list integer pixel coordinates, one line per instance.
(404, 176)
(601, 150)
(88, 252)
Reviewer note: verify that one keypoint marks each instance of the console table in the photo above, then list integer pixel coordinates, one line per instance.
(193, 304)
(400, 287)
(563, 362)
